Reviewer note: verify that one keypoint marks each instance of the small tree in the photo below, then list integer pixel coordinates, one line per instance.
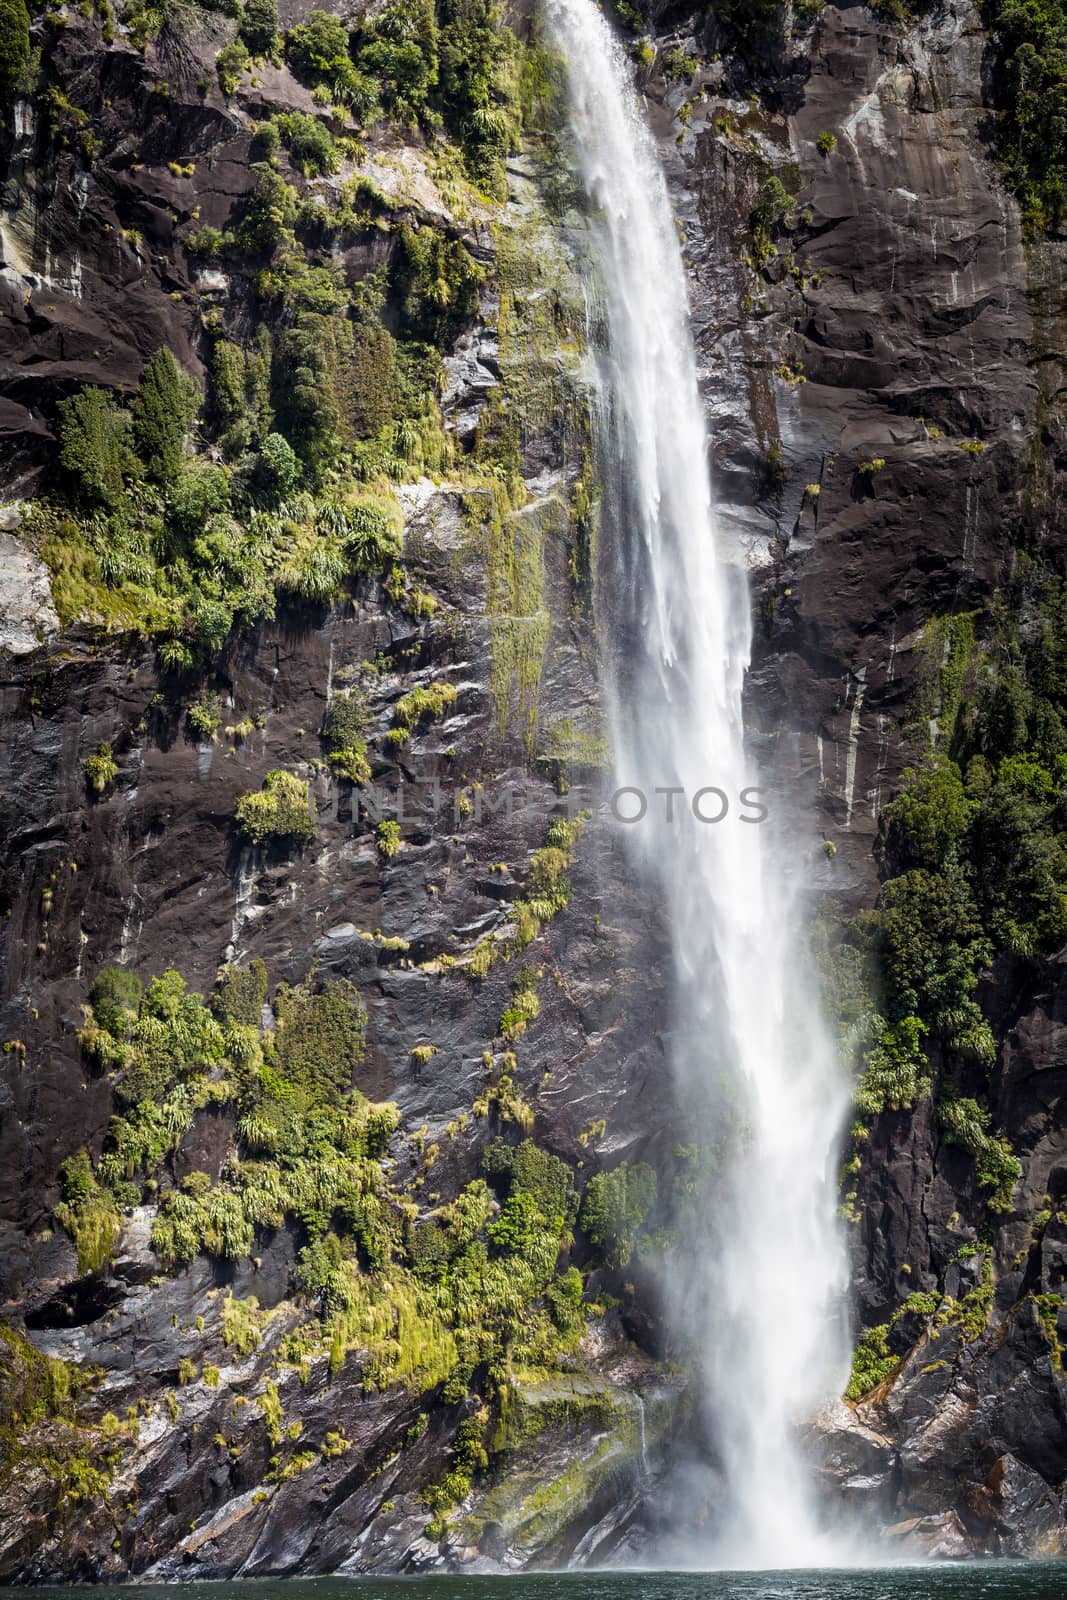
(94, 445)
(259, 26)
(165, 405)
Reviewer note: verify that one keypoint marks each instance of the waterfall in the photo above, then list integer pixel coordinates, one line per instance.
(757, 1285)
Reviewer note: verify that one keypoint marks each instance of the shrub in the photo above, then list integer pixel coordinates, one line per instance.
(345, 740)
(398, 52)
(231, 63)
(525, 1007)
(479, 85)
(926, 824)
(115, 996)
(94, 446)
(371, 534)
(321, 1037)
(278, 467)
(388, 834)
(88, 1213)
(439, 283)
(872, 1362)
(204, 715)
(431, 701)
(318, 51)
(968, 1125)
(242, 1323)
(259, 26)
(270, 213)
(896, 1071)
(309, 142)
(374, 396)
(14, 47)
(826, 144)
(614, 1207)
(101, 769)
(165, 404)
(281, 809)
(240, 994)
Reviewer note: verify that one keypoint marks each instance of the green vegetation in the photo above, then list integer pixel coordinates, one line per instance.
(231, 64)
(163, 409)
(518, 617)
(88, 1213)
(307, 140)
(281, 809)
(259, 27)
(453, 64)
(320, 1039)
(148, 535)
(242, 1325)
(421, 704)
(1030, 43)
(388, 838)
(873, 1360)
(614, 1207)
(547, 893)
(44, 1430)
(525, 1007)
(968, 1124)
(205, 714)
(826, 143)
(774, 203)
(101, 769)
(240, 994)
(344, 735)
(973, 852)
(14, 47)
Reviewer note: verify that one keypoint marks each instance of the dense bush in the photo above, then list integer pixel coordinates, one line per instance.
(281, 809)
(259, 26)
(308, 141)
(479, 90)
(14, 47)
(1030, 38)
(163, 408)
(454, 64)
(614, 1207)
(320, 1038)
(240, 994)
(344, 734)
(438, 280)
(231, 63)
(397, 51)
(318, 53)
(974, 855)
(115, 997)
(95, 447)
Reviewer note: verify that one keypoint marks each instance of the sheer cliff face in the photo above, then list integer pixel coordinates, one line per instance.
(882, 308)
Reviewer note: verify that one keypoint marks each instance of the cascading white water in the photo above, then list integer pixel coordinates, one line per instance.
(757, 1286)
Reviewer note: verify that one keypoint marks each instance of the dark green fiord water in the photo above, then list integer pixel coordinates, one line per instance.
(995, 1580)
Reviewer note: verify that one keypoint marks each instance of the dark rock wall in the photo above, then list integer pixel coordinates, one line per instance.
(900, 290)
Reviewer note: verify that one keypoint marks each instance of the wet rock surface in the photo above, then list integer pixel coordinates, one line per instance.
(899, 317)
